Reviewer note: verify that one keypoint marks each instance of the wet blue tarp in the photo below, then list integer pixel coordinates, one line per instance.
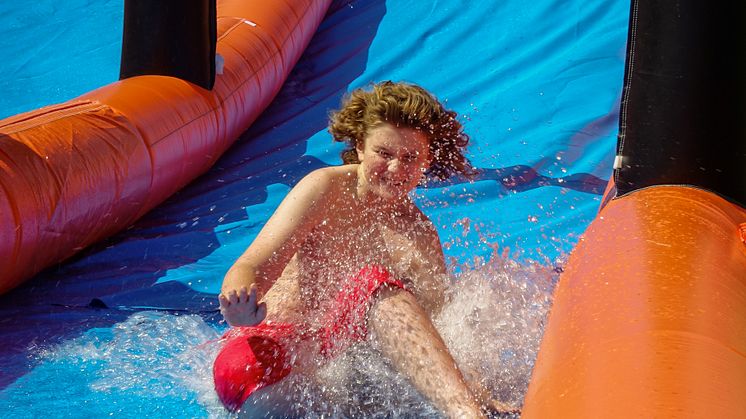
(537, 85)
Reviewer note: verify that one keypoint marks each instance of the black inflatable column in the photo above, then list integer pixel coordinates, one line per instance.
(170, 38)
(683, 112)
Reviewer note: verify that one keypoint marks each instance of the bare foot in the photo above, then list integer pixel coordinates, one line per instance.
(497, 407)
(489, 405)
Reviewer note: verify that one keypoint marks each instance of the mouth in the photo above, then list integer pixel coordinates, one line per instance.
(396, 184)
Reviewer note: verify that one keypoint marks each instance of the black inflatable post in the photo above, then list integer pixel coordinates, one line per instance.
(683, 111)
(170, 38)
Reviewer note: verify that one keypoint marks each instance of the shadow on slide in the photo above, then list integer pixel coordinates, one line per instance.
(105, 283)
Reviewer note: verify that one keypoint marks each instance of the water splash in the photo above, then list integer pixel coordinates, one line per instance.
(161, 364)
(494, 321)
(492, 325)
(358, 383)
(151, 365)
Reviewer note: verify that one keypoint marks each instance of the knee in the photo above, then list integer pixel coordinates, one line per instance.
(396, 321)
(393, 305)
(393, 296)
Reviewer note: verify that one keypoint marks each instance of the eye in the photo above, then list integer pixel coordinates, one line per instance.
(409, 158)
(383, 153)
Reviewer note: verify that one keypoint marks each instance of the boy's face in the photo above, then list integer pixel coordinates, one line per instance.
(393, 160)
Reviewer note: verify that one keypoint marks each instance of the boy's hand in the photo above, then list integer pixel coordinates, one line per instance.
(241, 309)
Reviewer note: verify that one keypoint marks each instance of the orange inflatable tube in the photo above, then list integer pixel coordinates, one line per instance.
(649, 317)
(74, 173)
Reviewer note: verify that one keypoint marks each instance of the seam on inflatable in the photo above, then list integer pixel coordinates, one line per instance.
(136, 132)
(262, 33)
(151, 170)
(17, 219)
(231, 28)
(20, 119)
(683, 186)
(290, 5)
(627, 84)
(55, 113)
(670, 332)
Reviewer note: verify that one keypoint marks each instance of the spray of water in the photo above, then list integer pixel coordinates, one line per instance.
(494, 322)
(163, 363)
(492, 325)
(151, 364)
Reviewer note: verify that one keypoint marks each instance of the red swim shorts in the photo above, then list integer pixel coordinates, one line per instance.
(257, 356)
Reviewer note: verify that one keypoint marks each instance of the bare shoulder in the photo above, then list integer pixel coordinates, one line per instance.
(318, 188)
(308, 202)
(326, 179)
(319, 180)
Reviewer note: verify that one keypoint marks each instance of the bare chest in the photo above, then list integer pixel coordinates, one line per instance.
(339, 248)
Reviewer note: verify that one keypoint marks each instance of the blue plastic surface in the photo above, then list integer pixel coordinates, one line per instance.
(537, 85)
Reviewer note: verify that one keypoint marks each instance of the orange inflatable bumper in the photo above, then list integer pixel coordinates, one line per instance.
(74, 173)
(649, 318)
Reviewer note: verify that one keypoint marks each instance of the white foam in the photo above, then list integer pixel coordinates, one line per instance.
(494, 322)
(492, 325)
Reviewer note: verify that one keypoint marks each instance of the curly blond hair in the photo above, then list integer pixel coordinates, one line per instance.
(408, 105)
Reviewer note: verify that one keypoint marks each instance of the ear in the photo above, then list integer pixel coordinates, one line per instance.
(430, 157)
(360, 149)
(425, 167)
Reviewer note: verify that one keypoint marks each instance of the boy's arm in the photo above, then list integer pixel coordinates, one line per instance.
(261, 264)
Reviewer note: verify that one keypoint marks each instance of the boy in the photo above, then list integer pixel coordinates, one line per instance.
(348, 256)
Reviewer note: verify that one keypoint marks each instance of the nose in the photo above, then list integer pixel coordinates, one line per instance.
(394, 165)
(397, 171)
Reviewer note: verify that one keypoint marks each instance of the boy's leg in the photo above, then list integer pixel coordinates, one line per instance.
(403, 332)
